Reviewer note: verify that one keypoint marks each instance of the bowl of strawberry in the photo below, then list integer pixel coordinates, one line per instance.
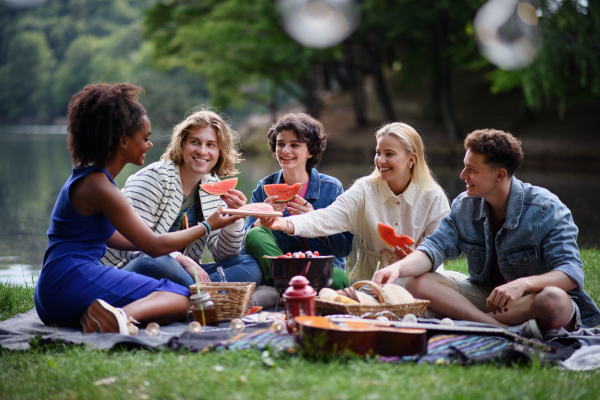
(316, 268)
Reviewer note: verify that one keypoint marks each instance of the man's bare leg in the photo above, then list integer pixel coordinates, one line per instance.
(445, 298)
(551, 308)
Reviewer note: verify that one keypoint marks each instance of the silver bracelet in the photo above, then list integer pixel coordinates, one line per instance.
(287, 227)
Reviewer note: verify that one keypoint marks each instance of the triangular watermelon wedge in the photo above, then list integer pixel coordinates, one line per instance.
(389, 237)
(219, 188)
(285, 192)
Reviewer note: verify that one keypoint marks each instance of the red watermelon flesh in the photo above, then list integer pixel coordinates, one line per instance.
(219, 188)
(390, 238)
(258, 208)
(284, 191)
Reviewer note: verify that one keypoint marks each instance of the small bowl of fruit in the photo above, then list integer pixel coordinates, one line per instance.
(319, 272)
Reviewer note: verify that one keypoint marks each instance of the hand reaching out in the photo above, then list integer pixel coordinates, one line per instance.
(217, 220)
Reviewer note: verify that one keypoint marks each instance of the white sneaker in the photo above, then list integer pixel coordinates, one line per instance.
(528, 329)
(106, 317)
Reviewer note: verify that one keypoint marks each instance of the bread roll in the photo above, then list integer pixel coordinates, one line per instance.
(343, 299)
(394, 294)
(327, 294)
(364, 298)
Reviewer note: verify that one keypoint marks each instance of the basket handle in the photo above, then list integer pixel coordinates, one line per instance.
(377, 290)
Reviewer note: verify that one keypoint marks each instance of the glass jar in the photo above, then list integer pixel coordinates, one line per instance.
(203, 304)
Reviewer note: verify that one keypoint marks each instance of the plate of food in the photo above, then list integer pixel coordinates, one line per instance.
(254, 210)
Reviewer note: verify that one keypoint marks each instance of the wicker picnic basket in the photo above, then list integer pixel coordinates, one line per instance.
(331, 308)
(232, 299)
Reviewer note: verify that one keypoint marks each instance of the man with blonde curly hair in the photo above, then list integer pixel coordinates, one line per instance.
(166, 193)
(520, 242)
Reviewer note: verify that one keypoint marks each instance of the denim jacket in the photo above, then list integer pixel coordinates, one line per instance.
(322, 191)
(538, 236)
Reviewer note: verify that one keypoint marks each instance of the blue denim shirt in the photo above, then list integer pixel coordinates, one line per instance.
(538, 236)
(322, 191)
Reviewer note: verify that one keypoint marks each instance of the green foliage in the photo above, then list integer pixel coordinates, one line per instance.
(566, 71)
(15, 299)
(233, 44)
(49, 53)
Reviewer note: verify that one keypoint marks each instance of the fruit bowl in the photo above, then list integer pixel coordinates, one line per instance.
(319, 273)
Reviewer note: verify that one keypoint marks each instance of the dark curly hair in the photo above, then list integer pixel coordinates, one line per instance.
(308, 130)
(500, 149)
(100, 116)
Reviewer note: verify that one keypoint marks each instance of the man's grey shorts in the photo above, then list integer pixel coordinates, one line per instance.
(477, 294)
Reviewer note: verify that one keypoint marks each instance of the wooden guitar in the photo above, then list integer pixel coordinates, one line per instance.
(327, 335)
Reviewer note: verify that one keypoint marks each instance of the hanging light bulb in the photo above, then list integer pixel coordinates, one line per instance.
(507, 33)
(319, 23)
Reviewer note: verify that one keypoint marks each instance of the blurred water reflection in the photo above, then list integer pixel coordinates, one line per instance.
(33, 169)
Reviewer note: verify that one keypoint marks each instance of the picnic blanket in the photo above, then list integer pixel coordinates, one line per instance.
(578, 350)
(18, 332)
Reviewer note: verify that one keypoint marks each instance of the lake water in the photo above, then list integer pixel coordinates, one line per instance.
(33, 168)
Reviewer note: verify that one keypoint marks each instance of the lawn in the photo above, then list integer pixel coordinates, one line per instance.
(69, 372)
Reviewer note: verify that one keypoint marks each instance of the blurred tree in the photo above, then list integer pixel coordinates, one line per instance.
(235, 45)
(566, 71)
(25, 77)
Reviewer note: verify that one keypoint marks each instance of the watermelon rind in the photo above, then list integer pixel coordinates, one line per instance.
(284, 191)
(391, 238)
(219, 188)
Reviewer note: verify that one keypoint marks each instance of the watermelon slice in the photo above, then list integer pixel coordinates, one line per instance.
(284, 191)
(258, 208)
(388, 236)
(219, 188)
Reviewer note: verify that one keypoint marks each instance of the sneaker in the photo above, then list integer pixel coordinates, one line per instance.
(528, 329)
(104, 317)
(265, 296)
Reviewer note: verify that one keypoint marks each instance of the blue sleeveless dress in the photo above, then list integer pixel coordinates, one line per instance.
(72, 276)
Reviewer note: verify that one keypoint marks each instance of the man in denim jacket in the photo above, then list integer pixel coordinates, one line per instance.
(521, 247)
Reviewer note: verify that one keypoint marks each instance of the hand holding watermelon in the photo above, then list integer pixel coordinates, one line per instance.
(272, 200)
(299, 206)
(402, 252)
(234, 198)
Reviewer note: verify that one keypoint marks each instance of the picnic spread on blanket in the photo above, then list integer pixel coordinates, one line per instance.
(398, 336)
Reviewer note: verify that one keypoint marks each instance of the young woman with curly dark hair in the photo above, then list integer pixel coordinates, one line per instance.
(108, 128)
(297, 142)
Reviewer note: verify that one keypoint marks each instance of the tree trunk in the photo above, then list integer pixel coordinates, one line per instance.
(310, 99)
(445, 99)
(374, 50)
(357, 86)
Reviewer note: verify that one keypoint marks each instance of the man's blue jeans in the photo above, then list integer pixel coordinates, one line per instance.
(237, 269)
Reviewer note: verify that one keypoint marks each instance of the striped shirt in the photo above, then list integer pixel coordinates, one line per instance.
(156, 195)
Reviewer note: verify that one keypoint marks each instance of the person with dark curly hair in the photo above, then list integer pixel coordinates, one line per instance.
(400, 192)
(520, 242)
(297, 142)
(108, 128)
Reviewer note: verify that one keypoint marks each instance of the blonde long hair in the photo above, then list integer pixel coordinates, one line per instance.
(228, 141)
(412, 142)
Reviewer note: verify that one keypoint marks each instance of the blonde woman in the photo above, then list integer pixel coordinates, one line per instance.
(202, 148)
(400, 192)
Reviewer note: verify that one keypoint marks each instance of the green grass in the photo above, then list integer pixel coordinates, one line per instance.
(67, 372)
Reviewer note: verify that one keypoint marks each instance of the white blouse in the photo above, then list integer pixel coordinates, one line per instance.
(414, 212)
